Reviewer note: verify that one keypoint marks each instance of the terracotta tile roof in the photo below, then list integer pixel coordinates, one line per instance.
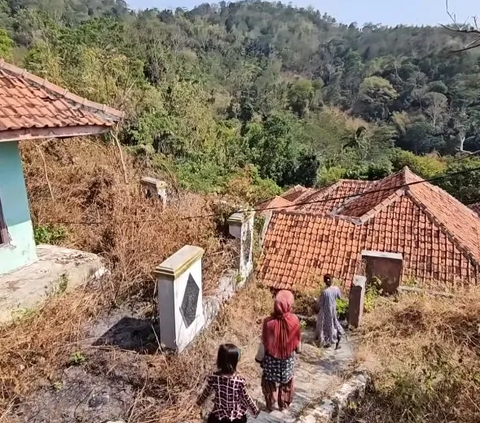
(376, 193)
(287, 199)
(277, 203)
(304, 195)
(27, 101)
(475, 207)
(438, 236)
(325, 200)
(294, 193)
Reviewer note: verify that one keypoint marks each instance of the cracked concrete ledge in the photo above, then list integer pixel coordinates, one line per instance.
(331, 407)
(56, 270)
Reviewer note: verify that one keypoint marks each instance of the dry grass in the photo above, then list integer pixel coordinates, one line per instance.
(428, 349)
(105, 215)
(108, 216)
(239, 323)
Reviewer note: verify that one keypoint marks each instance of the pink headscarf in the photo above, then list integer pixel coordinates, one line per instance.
(281, 331)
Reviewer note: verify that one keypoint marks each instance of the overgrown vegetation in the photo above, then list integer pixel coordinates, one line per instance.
(236, 100)
(260, 95)
(49, 234)
(342, 308)
(104, 214)
(428, 351)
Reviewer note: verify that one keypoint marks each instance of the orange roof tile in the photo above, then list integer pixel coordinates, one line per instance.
(27, 101)
(376, 193)
(307, 192)
(325, 200)
(438, 236)
(276, 203)
(293, 193)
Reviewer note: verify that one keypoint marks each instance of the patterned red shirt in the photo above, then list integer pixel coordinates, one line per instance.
(231, 398)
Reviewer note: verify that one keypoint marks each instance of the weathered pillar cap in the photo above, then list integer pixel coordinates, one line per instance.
(238, 218)
(177, 263)
(382, 254)
(147, 180)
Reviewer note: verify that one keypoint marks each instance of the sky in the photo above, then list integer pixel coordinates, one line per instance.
(387, 12)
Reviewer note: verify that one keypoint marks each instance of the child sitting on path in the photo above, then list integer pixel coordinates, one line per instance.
(231, 398)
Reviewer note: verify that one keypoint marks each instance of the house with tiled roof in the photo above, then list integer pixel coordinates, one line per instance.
(315, 200)
(32, 108)
(437, 236)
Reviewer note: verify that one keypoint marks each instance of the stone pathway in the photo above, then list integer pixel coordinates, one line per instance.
(317, 372)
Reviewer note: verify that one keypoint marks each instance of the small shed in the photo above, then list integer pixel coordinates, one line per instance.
(33, 108)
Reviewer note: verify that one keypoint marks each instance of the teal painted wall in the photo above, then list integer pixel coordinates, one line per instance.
(13, 196)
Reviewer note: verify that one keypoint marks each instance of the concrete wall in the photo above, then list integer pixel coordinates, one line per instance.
(388, 270)
(13, 196)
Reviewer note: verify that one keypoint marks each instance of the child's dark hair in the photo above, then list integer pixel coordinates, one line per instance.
(227, 358)
(328, 279)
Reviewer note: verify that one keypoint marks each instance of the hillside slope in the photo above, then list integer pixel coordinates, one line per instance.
(217, 89)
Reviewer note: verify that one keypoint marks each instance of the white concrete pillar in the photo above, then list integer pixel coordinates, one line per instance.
(180, 308)
(155, 188)
(240, 226)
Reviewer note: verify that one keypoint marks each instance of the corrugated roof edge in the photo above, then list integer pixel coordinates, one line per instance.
(111, 113)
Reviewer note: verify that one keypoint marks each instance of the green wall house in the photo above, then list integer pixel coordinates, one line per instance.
(17, 246)
(31, 109)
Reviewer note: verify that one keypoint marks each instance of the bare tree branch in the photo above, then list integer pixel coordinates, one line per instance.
(464, 28)
(462, 31)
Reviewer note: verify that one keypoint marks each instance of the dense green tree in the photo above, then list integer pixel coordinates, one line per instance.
(257, 88)
(6, 44)
(300, 96)
(374, 97)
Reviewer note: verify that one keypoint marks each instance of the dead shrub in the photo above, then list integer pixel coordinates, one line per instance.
(429, 350)
(104, 214)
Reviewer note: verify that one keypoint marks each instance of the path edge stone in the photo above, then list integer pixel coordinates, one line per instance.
(332, 406)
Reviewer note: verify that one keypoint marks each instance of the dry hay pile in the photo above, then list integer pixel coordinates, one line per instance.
(428, 349)
(105, 214)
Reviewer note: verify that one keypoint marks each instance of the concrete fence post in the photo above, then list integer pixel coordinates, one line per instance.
(180, 303)
(240, 226)
(155, 188)
(356, 301)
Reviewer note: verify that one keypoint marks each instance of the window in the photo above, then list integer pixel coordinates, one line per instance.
(3, 228)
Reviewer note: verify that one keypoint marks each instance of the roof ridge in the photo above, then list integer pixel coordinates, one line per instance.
(295, 188)
(353, 180)
(410, 176)
(399, 193)
(43, 83)
(300, 212)
(339, 182)
(442, 191)
(373, 188)
(447, 232)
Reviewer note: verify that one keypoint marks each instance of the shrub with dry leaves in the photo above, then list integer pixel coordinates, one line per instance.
(84, 190)
(428, 351)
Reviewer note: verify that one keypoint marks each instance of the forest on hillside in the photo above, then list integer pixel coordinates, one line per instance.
(253, 96)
